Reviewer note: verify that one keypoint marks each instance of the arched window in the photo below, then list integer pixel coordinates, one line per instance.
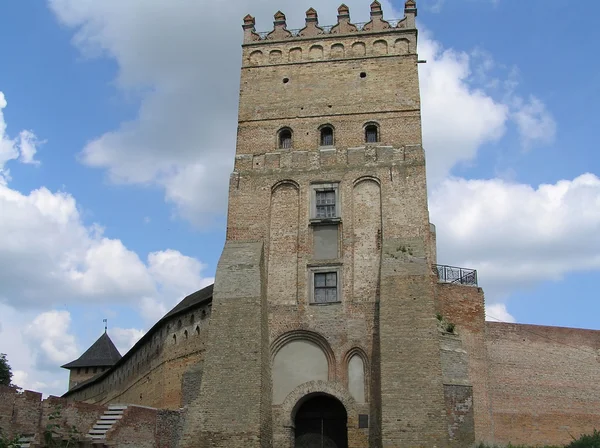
(197, 330)
(371, 133)
(285, 138)
(185, 334)
(326, 136)
(174, 339)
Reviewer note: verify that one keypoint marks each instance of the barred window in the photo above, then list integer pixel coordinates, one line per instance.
(326, 136)
(326, 204)
(371, 133)
(285, 139)
(326, 286)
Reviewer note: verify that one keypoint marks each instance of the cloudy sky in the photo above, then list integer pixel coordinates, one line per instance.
(117, 135)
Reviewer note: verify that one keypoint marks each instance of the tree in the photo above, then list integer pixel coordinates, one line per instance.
(5, 371)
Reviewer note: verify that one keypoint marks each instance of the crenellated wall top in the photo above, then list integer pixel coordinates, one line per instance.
(343, 26)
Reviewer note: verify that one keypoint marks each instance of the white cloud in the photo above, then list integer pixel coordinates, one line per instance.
(458, 118)
(64, 260)
(49, 338)
(497, 312)
(535, 124)
(183, 137)
(22, 148)
(183, 63)
(29, 355)
(516, 235)
(125, 338)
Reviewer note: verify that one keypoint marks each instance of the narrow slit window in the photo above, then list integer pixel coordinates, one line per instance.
(371, 134)
(325, 287)
(325, 204)
(285, 139)
(327, 136)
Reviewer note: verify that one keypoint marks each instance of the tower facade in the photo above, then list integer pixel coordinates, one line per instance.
(323, 327)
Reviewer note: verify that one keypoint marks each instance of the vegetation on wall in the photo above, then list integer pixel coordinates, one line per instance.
(7, 442)
(444, 325)
(59, 434)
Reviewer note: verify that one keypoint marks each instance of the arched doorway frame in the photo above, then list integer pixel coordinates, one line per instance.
(304, 392)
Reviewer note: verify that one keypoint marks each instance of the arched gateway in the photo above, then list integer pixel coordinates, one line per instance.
(321, 422)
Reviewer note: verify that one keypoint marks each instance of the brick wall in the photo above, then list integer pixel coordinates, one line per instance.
(26, 413)
(544, 383)
(465, 307)
(151, 374)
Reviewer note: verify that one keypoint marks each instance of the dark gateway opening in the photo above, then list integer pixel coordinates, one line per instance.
(321, 422)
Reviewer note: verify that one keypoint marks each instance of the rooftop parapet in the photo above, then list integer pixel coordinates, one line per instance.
(343, 26)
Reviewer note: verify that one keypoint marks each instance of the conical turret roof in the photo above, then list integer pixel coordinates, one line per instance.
(102, 353)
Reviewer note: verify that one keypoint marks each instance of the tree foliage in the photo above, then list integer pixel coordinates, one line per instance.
(5, 371)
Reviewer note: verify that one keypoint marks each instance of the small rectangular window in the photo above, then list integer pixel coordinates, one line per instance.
(326, 286)
(326, 204)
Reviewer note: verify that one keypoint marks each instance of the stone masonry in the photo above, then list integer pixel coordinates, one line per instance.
(292, 86)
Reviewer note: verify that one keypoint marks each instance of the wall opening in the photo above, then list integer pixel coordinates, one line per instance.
(321, 421)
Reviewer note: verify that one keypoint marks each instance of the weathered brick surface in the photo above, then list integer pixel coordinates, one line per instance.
(459, 412)
(233, 409)
(25, 413)
(345, 81)
(464, 306)
(151, 374)
(544, 383)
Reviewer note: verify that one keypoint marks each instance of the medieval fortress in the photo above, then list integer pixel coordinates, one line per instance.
(330, 323)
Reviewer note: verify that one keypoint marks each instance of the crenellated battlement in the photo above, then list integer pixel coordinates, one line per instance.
(344, 26)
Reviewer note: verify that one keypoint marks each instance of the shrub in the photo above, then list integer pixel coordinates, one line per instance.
(586, 441)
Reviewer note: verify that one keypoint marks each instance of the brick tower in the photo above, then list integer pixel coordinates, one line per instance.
(323, 330)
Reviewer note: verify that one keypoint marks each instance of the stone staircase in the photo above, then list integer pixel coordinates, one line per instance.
(26, 441)
(106, 422)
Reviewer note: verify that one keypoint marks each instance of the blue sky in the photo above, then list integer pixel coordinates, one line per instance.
(131, 108)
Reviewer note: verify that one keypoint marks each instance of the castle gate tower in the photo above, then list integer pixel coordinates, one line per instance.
(323, 330)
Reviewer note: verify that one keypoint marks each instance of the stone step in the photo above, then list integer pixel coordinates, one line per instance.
(117, 407)
(111, 417)
(106, 421)
(26, 441)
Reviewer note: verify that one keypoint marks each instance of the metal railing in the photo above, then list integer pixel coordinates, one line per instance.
(453, 274)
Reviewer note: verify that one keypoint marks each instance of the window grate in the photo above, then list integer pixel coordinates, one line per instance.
(285, 139)
(325, 287)
(326, 204)
(327, 136)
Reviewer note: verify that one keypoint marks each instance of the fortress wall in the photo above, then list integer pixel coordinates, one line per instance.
(464, 306)
(151, 374)
(26, 413)
(146, 428)
(544, 382)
